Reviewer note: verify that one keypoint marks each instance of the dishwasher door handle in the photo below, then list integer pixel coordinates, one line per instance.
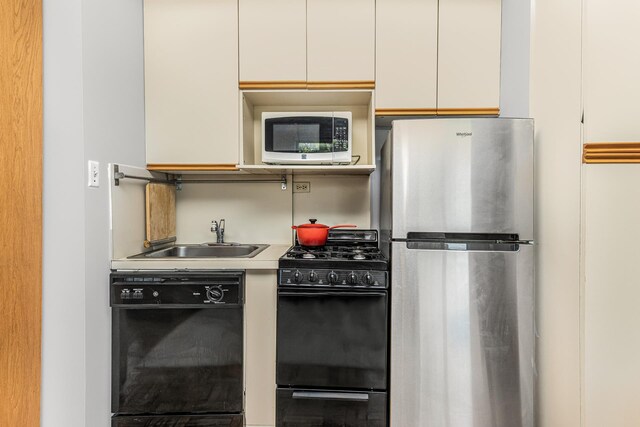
(331, 395)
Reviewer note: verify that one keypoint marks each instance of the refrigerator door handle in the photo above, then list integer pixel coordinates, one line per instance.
(464, 246)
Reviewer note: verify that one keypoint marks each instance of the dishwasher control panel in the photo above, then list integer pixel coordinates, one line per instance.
(183, 290)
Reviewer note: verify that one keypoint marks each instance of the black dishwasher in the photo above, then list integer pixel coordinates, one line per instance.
(177, 348)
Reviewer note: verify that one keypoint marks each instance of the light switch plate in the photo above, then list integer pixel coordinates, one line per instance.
(94, 174)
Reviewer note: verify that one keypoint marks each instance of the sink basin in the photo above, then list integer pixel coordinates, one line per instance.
(205, 251)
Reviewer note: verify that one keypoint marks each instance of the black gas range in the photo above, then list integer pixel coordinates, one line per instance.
(332, 333)
(350, 259)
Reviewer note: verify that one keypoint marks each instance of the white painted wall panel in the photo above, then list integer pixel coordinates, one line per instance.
(333, 200)
(556, 107)
(254, 213)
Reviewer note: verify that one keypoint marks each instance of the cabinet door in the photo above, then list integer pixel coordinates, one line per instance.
(469, 55)
(611, 295)
(340, 40)
(260, 358)
(406, 54)
(273, 41)
(611, 63)
(191, 81)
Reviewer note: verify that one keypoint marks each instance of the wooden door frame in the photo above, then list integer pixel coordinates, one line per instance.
(20, 211)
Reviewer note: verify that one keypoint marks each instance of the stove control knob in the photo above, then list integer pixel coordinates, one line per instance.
(313, 276)
(332, 277)
(297, 276)
(352, 279)
(369, 279)
(215, 294)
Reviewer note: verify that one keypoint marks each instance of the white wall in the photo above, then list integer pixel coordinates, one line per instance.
(93, 109)
(514, 67)
(63, 294)
(113, 86)
(253, 212)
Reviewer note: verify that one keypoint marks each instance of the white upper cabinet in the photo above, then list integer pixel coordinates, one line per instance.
(469, 54)
(191, 81)
(611, 63)
(406, 54)
(287, 43)
(340, 40)
(273, 40)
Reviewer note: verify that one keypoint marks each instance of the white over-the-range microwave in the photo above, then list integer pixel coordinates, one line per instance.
(307, 137)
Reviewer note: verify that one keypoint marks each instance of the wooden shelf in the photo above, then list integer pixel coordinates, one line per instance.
(310, 169)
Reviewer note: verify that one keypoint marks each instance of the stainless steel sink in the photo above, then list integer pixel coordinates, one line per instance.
(205, 251)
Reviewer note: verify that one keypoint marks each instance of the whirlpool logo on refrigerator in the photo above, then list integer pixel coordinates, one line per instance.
(463, 134)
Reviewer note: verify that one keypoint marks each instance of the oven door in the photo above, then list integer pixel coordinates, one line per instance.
(332, 339)
(177, 360)
(313, 408)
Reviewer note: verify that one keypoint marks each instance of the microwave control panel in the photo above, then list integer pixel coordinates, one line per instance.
(340, 134)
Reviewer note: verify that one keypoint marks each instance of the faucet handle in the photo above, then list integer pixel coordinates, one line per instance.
(221, 225)
(214, 226)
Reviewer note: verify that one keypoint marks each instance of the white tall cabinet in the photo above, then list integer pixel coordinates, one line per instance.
(191, 82)
(611, 193)
(611, 295)
(611, 64)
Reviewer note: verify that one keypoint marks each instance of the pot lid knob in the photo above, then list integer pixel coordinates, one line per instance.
(313, 221)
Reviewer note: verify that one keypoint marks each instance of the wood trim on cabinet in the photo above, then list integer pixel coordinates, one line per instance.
(611, 152)
(468, 111)
(355, 84)
(191, 167)
(21, 201)
(406, 112)
(285, 84)
(301, 84)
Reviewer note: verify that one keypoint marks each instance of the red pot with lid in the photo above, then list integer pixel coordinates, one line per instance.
(315, 234)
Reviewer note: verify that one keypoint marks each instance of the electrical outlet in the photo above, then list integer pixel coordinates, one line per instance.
(301, 187)
(94, 174)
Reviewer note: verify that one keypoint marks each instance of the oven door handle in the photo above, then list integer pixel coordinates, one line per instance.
(331, 294)
(326, 395)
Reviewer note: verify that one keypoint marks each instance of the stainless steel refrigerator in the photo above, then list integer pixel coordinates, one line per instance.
(457, 220)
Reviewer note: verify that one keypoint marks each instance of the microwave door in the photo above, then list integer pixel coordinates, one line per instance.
(306, 138)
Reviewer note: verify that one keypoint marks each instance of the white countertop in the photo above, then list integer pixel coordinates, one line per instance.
(265, 260)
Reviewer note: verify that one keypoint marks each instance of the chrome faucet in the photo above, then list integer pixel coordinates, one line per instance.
(218, 228)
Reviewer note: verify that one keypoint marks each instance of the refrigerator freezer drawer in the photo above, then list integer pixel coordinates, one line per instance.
(323, 408)
(462, 175)
(462, 337)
